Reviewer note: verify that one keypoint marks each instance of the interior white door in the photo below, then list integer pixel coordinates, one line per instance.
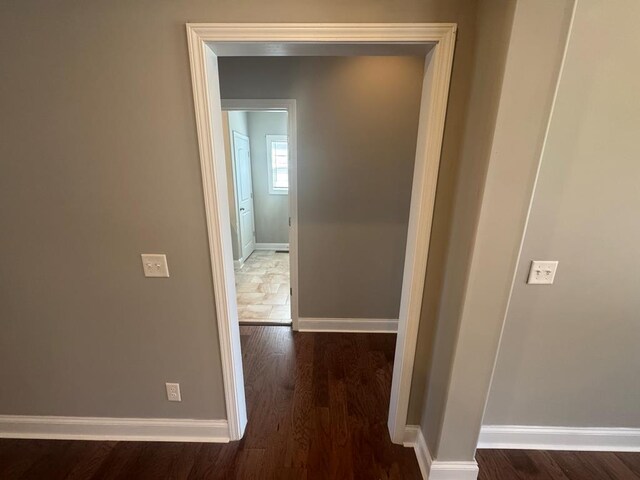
(244, 193)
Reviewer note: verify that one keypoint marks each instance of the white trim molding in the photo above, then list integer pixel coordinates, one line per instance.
(105, 428)
(353, 325)
(207, 41)
(270, 139)
(560, 438)
(208, 111)
(413, 438)
(435, 469)
(272, 246)
(453, 470)
(433, 109)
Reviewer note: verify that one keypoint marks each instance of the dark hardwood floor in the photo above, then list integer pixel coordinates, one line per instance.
(317, 406)
(544, 465)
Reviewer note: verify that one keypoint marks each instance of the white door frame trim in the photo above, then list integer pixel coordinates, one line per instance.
(285, 105)
(206, 91)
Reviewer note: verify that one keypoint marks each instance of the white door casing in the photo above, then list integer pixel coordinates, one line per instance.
(206, 42)
(244, 194)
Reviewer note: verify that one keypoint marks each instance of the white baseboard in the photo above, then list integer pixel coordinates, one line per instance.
(238, 263)
(413, 438)
(434, 469)
(453, 470)
(104, 428)
(272, 246)
(354, 325)
(411, 433)
(560, 438)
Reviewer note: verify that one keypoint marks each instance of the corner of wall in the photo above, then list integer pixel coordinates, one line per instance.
(491, 45)
(531, 67)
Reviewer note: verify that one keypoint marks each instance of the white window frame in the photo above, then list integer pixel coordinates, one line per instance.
(270, 139)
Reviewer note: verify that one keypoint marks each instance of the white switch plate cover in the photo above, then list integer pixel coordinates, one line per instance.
(542, 272)
(173, 392)
(155, 265)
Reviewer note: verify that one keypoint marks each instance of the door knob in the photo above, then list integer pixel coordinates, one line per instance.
(242, 209)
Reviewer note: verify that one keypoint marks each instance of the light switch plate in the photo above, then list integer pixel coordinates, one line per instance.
(155, 265)
(542, 272)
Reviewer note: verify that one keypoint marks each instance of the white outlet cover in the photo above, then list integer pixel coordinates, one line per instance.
(542, 272)
(173, 392)
(155, 265)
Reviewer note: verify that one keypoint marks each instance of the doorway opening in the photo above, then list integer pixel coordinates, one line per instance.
(260, 159)
(208, 42)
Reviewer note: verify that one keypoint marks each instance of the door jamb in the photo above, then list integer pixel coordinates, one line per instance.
(283, 105)
(206, 91)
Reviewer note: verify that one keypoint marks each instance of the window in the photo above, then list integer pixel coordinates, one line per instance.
(278, 164)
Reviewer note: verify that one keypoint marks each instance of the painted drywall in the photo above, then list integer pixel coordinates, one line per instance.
(569, 353)
(494, 19)
(355, 168)
(466, 340)
(99, 163)
(233, 121)
(271, 210)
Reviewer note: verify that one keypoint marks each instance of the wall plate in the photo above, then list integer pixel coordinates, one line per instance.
(542, 272)
(155, 265)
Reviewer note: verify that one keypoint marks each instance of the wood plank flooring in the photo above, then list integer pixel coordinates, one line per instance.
(317, 406)
(544, 465)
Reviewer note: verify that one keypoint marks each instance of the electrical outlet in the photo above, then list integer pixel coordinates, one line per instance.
(173, 392)
(155, 265)
(542, 272)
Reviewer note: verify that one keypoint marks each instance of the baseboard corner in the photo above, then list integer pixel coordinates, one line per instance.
(433, 469)
(443, 470)
(413, 438)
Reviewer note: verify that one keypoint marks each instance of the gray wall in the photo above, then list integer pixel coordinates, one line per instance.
(271, 210)
(532, 66)
(473, 308)
(569, 352)
(233, 121)
(493, 29)
(357, 121)
(531, 72)
(99, 162)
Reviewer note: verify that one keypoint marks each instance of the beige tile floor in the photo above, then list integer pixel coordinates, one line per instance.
(262, 285)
